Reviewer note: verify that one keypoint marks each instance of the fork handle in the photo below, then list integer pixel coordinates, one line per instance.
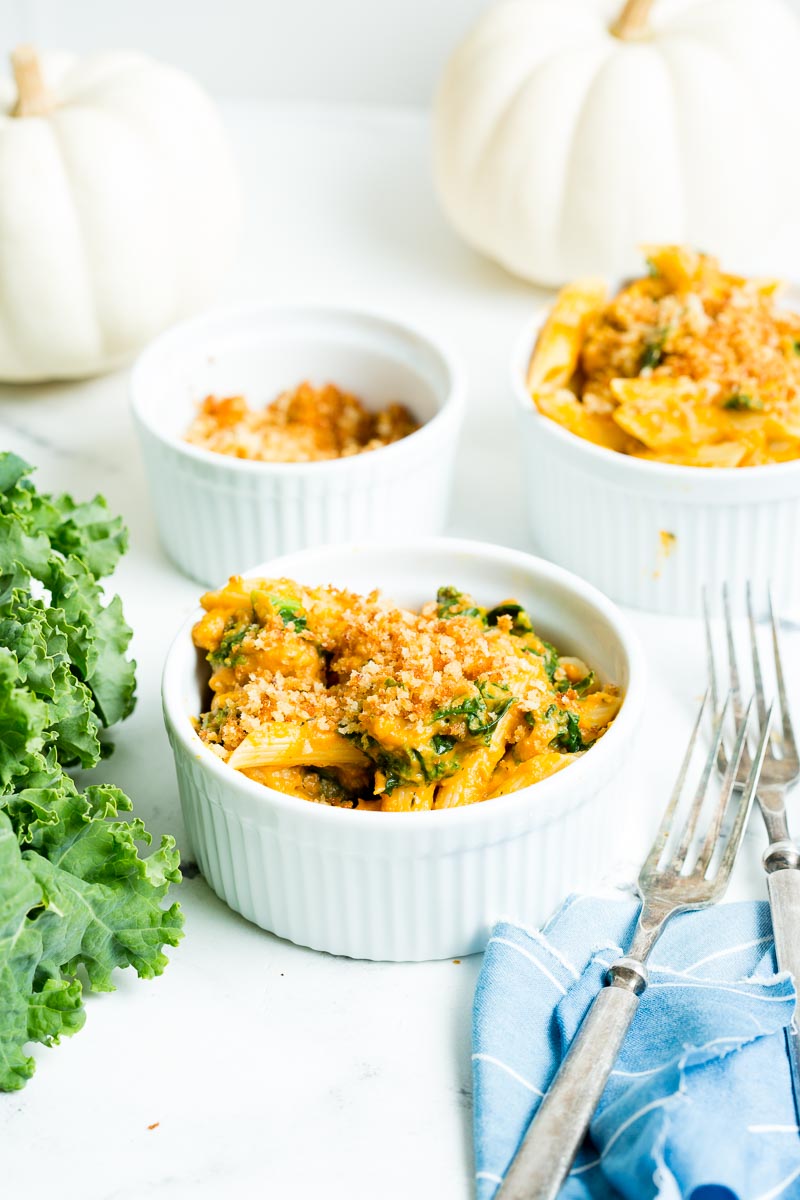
(543, 1160)
(783, 882)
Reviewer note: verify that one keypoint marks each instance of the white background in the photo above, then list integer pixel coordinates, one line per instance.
(358, 51)
(366, 51)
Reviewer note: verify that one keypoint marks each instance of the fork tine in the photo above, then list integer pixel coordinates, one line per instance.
(665, 828)
(757, 677)
(745, 804)
(732, 663)
(711, 668)
(786, 720)
(690, 827)
(710, 661)
(726, 787)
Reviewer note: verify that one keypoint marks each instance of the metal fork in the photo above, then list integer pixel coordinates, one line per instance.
(780, 772)
(670, 881)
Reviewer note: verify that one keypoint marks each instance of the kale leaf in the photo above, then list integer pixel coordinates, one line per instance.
(76, 895)
(741, 402)
(450, 602)
(480, 713)
(520, 621)
(653, 350)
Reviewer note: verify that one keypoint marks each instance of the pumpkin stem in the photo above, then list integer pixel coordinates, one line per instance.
(632, 21)
(33, 98)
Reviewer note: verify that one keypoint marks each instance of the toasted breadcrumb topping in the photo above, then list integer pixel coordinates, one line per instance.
(716, 329)
(350, 700)
(688, 365)
(305, 425)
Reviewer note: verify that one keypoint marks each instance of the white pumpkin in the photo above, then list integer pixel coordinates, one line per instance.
(564, 137)
(119, 209)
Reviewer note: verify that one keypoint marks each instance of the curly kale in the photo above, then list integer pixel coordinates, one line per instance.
(75, 893)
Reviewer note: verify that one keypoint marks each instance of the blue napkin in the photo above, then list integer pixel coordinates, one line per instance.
(700, 1103)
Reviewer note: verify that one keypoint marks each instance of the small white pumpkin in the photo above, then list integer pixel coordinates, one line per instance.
(564, 137)
(119, 209)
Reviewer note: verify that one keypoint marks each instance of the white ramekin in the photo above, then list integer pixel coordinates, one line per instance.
(650, 534)
(410, 886)
(216, 513)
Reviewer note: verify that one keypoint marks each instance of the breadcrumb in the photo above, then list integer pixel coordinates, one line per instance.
(417, 694)
(305, 425)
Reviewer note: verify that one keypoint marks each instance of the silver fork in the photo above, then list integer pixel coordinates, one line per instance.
(670, 881)
(780, 772)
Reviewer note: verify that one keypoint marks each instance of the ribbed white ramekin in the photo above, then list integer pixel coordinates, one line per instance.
(651, 534)
(411, 885)
(215, 512)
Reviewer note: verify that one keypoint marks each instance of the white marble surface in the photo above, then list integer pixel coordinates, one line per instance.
(272, 1070)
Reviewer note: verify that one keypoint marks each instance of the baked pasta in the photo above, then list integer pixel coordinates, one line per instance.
(307, 424)
(685, 365)
(349, 700)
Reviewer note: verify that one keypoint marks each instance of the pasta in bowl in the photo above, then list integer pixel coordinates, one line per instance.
(355, 702)
(661, 433)
(426, 881)
(687, 364)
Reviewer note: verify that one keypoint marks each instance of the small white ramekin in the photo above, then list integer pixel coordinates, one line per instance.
(215, 512)
(411, 886)
(651, 534)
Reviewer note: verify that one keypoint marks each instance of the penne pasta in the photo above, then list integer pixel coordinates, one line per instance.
(470, 783)
(680, 266)
(563, 407)
(348, 701)
(282, 779)
(284, 745)
(235, 594)
(510, 777)
(408, 798)
(597, 711)
(687, 365)
(555, 358)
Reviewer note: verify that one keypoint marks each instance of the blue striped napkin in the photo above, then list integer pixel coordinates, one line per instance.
(700, 1103)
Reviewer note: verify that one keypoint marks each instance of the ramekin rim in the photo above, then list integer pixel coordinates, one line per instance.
(224, 464)
(623, 727)
(643, 469)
